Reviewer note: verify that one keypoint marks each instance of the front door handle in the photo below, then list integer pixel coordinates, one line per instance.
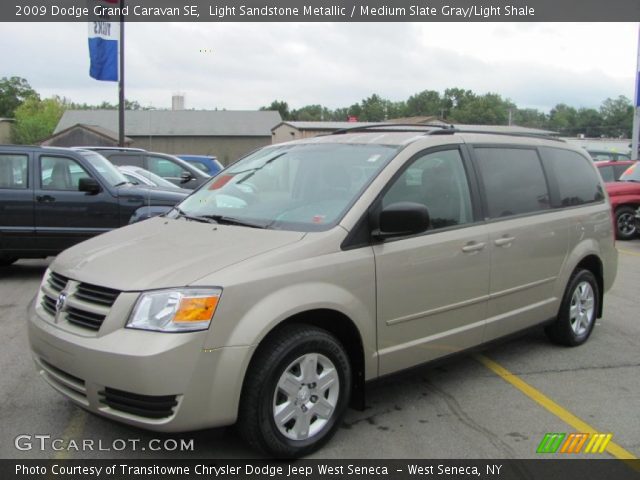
(45, 198)
(473, 247)
(504, 241)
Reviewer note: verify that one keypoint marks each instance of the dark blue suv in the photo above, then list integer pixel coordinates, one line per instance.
(52, 198)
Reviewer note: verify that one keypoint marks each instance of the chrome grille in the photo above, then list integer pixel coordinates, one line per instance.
(94, 294)
(84, 319)
(49, 304)
(86, 305)
(57, 282)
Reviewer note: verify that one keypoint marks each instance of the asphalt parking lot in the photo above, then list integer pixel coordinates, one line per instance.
(497, 404)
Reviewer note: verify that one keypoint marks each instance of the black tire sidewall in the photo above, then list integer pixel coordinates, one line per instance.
(619, 212)
(564, 318)
(330, 348)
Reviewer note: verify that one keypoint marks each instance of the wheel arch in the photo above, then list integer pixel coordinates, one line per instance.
(341, 327)
(593, 264)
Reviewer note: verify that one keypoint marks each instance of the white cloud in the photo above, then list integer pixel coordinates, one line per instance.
(246, 65)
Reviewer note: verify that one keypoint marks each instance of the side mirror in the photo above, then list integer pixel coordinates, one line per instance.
(185, 177)
(89, 185)
(403, 218)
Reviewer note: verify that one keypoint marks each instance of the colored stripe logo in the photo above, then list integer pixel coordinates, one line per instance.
(574, 443)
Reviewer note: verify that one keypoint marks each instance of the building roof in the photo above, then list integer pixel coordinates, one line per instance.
(138, 123)
(103, 132)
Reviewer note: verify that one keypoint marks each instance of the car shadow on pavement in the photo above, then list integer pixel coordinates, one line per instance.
(24, 270)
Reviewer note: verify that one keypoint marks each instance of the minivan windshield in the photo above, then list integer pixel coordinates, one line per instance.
(302, 187)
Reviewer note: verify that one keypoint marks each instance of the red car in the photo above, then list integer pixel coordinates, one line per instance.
(624, 193)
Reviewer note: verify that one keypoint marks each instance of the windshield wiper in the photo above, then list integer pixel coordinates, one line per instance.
(204, 219)
(235, 221)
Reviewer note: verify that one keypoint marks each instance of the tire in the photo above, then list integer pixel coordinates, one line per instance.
(285, 410)
(578, 310)
(626, 223)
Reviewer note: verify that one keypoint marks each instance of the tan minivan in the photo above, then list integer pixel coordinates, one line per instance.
(270, 296)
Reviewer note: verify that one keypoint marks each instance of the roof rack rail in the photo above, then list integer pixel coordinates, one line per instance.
(396, 127)
(542, 136)
(439, 129)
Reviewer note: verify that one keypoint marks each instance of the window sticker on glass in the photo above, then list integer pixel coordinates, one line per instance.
(374, 158)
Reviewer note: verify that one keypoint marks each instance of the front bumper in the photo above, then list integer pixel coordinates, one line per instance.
(198, 388)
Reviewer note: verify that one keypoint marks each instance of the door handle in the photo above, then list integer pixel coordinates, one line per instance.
(473, 247)
(45, 198)
(504, 241)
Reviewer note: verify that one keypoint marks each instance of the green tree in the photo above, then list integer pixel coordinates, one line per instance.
(374, 109)
(13, 91)
(563, 119)
(617, 116)
(489, 109)
(589, 122)
(311, 113)
(427, 102)
(36, 119)
(280, 106)
(529, 117)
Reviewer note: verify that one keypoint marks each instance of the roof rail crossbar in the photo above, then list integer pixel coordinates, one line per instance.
(391, 127)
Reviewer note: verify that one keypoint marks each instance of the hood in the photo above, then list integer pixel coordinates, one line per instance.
(153, 194)
(163, 253)
(622, 188)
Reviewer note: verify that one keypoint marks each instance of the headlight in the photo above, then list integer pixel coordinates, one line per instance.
(179, 310)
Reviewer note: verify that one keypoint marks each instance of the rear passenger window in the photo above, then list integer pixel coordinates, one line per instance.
(513, 179)
(13, 171)
(577, 181)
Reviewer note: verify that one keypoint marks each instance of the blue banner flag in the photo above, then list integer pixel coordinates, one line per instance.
(103, 47)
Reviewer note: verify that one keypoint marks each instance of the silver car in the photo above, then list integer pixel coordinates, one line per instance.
(270, 296)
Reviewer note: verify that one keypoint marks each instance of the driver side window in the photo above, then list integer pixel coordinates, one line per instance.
(438, 181)
(60, 173)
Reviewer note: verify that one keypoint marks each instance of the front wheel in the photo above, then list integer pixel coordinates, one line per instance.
(626, 223)
(578, 311)
(295, 393)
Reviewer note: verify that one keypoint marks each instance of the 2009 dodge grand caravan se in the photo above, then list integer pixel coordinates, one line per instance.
(273, 293)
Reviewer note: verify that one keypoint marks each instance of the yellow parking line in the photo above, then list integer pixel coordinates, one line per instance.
(560, 412)
(74, 429)
(629, 252)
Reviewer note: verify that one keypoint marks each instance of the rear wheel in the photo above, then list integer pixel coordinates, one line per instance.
(626, 228)
(295, 393)
(578, 311)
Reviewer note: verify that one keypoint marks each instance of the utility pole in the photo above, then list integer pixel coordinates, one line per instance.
(636, 108)
(121, 80)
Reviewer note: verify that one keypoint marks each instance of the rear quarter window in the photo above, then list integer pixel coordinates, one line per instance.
(576, 180)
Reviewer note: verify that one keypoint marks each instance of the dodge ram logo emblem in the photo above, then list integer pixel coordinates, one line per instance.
(62, 298)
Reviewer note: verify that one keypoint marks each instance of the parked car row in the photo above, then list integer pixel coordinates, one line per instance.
(52, 198)
(623, 186)
(179, 172)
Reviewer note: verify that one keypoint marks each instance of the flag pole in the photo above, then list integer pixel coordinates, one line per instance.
(635, 133)
(121, 102)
